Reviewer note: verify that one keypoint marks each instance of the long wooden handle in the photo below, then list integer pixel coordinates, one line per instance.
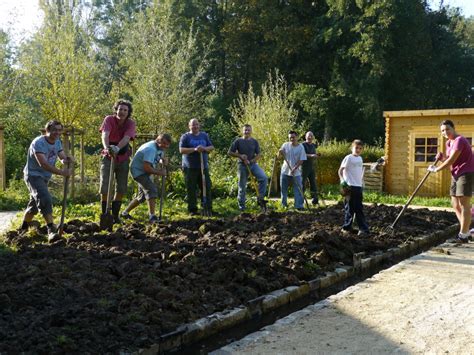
(203, 176)
(300, 188)
(64, 204)
(413, 194)
(111, 183)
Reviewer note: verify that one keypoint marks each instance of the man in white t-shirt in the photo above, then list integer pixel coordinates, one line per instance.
(294, 155)
(351, 173)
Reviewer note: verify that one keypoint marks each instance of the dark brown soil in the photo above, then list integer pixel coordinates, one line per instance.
(96, 293)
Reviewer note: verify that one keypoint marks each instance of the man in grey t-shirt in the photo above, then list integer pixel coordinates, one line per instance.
(40, 165)
(247, 150)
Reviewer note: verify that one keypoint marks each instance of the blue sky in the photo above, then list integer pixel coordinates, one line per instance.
(22, 17)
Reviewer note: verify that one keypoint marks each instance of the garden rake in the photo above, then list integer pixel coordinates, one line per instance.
(260, 200)
(391, 228)
(205, 206)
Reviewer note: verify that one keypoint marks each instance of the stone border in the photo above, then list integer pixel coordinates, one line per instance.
(203, 328)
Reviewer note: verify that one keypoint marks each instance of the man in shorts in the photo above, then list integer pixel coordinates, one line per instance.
(460, 159)
(117, 130)
(40, 165)
(144, 164)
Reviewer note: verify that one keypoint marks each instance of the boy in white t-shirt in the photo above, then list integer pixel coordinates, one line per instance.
(351, 174)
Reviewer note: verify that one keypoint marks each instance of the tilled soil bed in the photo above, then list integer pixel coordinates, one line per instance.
(96, 292)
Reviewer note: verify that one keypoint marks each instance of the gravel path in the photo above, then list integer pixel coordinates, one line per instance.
(422, 305)
(5, 220)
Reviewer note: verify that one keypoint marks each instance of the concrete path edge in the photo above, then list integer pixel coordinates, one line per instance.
(190, 333)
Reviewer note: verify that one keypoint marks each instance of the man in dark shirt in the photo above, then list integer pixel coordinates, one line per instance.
(247, 150)
(308, 166)
(191, 145)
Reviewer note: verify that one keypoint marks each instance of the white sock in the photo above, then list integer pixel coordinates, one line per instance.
(464, 235)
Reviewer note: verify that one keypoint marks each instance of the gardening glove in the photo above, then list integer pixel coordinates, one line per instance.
(345, 189)
(432, 169)
(114, 149)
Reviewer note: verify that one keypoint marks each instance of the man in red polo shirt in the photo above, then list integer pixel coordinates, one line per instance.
(117, 131)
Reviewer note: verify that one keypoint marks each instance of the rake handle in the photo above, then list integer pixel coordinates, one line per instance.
(413, 195)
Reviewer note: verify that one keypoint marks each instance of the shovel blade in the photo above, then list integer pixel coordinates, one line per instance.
(106, 221)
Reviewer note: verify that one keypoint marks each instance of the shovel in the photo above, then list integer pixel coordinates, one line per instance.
(205, 208)
(63, 211)
(163, 179)
(261, 201)
(271, 177)
(298, 186)
(391, 228)
(106, 219)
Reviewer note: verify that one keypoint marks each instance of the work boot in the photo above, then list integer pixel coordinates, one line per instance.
(116, 210)
(126, 215)
(263, 204)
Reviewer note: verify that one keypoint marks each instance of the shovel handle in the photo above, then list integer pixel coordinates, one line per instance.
(298, 185)
(64, 204)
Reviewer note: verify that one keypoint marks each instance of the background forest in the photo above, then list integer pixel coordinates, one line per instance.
(331, 66)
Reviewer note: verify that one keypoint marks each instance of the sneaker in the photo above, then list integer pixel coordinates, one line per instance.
(53, 237)
(154, 219)
(299, 208)
(346, 232)
(315, 201)
(363, 233)
(460, 239)
(117, 220)
(125, 215)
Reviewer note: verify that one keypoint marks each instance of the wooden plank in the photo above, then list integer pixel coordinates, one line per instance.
(424, 113)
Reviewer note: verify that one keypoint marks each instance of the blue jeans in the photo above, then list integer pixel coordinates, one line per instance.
(243, 175)
(353, 205)
(284, 181)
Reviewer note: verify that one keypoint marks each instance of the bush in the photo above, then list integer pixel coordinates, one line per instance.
(15, 197)
(332, 154)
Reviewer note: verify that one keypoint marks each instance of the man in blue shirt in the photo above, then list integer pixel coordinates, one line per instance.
(144, 164)
(40, 166)
(191, 145)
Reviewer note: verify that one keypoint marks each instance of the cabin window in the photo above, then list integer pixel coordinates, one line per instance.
(426, 149)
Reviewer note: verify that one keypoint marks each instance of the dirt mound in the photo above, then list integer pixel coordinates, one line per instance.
(97, 292)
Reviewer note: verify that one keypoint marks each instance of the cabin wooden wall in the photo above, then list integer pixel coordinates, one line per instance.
(402, 174)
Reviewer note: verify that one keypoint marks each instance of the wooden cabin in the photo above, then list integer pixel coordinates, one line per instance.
(3, 179)
(412, 140)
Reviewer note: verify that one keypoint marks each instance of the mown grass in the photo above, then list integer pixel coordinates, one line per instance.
(331, 192)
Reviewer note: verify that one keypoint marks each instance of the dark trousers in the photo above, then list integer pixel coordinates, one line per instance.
(193, 180)
(353, 205)
(309, 174)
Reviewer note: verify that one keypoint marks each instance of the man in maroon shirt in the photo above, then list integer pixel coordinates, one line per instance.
(117, 131)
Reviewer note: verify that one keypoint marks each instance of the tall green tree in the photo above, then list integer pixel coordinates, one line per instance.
(271, 115)
(164, 70)
(59, 65)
